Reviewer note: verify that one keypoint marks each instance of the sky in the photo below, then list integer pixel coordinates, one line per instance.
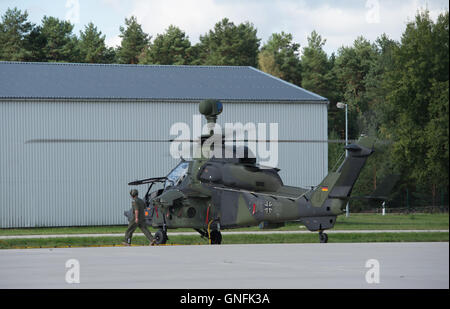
(339, 22)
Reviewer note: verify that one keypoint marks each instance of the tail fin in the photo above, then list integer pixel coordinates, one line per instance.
(339, 184)
(351, 167)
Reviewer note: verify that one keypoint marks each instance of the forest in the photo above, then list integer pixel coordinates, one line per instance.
(397, 91)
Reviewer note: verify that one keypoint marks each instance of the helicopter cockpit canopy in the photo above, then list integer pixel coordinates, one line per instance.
(176, 175)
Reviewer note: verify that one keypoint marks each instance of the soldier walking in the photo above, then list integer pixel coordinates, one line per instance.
(138, 220)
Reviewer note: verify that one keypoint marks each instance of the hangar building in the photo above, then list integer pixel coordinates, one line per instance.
(83, 183)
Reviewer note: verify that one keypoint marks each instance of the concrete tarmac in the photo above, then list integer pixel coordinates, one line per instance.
(267, 266)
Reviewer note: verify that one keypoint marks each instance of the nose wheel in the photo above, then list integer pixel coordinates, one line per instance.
(323, 237)
(215, 237)
(161, 237)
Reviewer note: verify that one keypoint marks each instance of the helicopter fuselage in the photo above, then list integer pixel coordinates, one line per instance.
(224, 194)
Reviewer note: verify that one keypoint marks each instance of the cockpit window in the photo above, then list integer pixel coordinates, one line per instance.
(176, 175)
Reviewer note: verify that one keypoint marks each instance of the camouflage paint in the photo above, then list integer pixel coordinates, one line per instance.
(237, 195)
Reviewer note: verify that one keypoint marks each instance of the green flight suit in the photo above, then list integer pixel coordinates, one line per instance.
(139, 205)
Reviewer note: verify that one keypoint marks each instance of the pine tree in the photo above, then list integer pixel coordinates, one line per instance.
(352, 66)
(14, 29)
(315, 66)
(134, 42)
(280, 57)
(60, 42)
(229, 44)
(92, 45)
(171, 47)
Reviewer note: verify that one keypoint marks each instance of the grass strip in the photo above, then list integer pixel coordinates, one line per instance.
(416, 221)
(228, 239)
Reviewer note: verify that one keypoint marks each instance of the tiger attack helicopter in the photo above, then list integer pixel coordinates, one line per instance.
(210, 193)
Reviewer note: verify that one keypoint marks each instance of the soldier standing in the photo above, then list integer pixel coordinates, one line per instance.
(138, 220)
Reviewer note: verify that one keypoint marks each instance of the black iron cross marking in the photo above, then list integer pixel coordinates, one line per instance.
(268, 207)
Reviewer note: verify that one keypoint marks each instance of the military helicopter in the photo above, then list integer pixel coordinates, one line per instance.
(209, 194)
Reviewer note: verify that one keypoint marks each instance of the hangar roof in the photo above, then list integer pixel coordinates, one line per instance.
(159, 82)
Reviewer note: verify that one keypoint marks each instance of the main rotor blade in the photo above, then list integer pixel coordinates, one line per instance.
(292, 141)
(69, 140)
(61, 140)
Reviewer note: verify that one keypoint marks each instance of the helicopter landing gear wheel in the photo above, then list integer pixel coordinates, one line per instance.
(161, 237)
(323, 237)
(215, 237)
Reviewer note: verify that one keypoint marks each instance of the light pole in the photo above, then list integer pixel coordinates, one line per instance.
(343, 105)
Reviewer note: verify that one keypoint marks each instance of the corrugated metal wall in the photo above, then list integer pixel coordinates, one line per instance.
(86, 184)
